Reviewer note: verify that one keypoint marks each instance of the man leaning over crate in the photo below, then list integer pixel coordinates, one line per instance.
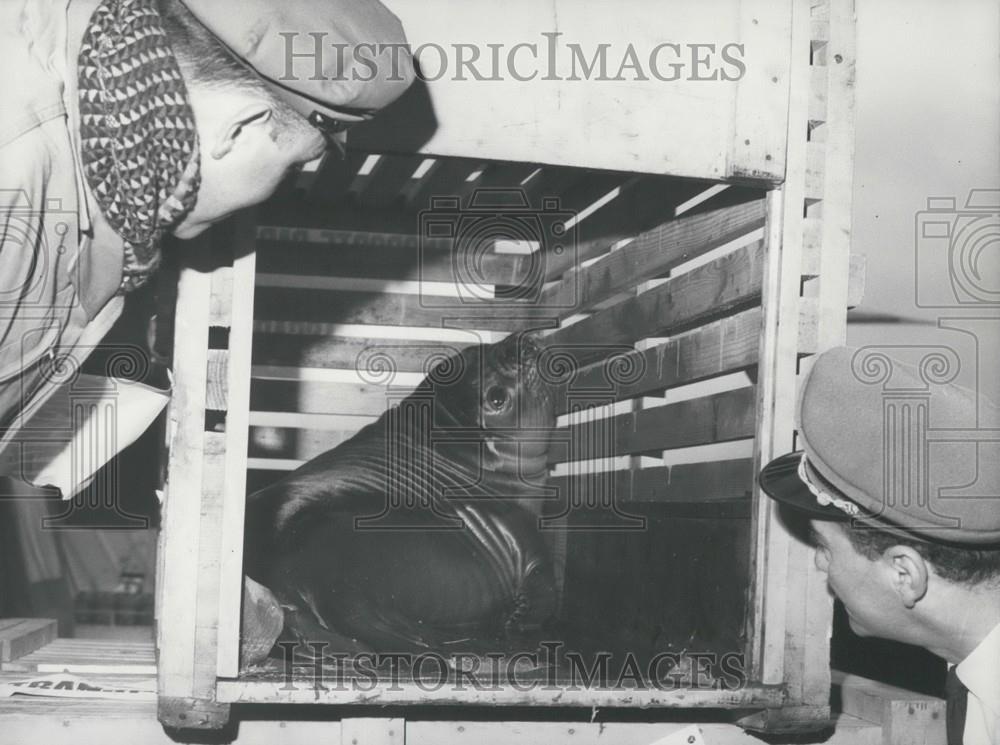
(901, 487)
(123, 121)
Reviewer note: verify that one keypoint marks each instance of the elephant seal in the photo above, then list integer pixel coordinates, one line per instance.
(413, 535)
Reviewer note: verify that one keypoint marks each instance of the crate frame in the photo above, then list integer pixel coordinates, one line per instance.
(810, 280)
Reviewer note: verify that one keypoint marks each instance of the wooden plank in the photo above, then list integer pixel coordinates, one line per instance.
(904, 716)
(817, 93)
(372, 731)
(278, 238)
(653, 254)
(335, 176)
(294, 444)
(250, 690)
(208, 585)
(448, 178)
(717, 481)
(21, 636)
(557, 119)
(388, 256)
(177, 555)
(699, 421)
(222, 290)
(838, 189)
(776, 376)
(644, 202)
(88, 657)
(848, 731)
(406, 355)
(217, 384)
(314, 397)
(237, 427)
(757, 147)
(815, 173)
(723, 346)
(385, 187)
(318, 306)
(591, 187)
(703, 294)
(501, 174)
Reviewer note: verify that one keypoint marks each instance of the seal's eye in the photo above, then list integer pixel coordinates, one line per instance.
(496, 397)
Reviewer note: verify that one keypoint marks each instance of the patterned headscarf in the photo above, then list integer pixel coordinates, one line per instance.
(138, 138)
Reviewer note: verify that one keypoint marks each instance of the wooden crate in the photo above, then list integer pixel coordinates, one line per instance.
(714, 258)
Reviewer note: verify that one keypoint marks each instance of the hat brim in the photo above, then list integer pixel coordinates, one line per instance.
(780, 480)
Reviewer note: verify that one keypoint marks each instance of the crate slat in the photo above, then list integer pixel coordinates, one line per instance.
(720, 347)
(699, 421)
(407, 355)
(316, 397)
(294, 444)
(387, 181)
(707, 292)
(22, 636)
(394, 256)
(653, 254)
(318, 306)
(716, 481)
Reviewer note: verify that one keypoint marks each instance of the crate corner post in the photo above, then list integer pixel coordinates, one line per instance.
(199, 565)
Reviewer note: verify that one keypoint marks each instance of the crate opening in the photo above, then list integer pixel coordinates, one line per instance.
(640, 294)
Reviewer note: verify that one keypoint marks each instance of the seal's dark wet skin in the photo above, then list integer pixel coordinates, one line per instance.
(414, 535)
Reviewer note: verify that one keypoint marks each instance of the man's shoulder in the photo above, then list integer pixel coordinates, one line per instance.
(32, 43)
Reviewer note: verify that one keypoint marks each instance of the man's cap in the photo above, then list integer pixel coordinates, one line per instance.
(357, 47)
(894, 445)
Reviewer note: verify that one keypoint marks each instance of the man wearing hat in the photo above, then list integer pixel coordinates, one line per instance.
(899, 477)
(123, 121)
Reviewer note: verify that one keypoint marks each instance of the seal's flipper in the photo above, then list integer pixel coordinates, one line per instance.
(309, 640)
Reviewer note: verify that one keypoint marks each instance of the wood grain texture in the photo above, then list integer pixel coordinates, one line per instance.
(653, 254)
(716, 481)
(703, 294)
(177, 554)
(699, 421)
(22, 636)
(233, 499)
(720, 347)
(557, 119)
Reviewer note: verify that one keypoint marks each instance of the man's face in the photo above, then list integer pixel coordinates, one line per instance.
(863, 585)
(245, 154)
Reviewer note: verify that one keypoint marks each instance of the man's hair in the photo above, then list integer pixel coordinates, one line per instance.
(968, 566)
(205, 61)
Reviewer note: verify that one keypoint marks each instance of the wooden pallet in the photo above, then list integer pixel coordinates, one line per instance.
(87, 657)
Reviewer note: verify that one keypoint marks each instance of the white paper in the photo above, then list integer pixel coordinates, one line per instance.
(64, 685)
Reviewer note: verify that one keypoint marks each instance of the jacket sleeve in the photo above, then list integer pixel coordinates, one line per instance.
(38, 243)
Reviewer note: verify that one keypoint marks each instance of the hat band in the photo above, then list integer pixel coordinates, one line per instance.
(823, 497)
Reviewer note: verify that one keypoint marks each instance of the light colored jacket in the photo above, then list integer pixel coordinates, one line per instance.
(60, 262)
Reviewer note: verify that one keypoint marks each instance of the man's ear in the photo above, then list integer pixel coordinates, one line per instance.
(908, 573)
(257, 114)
